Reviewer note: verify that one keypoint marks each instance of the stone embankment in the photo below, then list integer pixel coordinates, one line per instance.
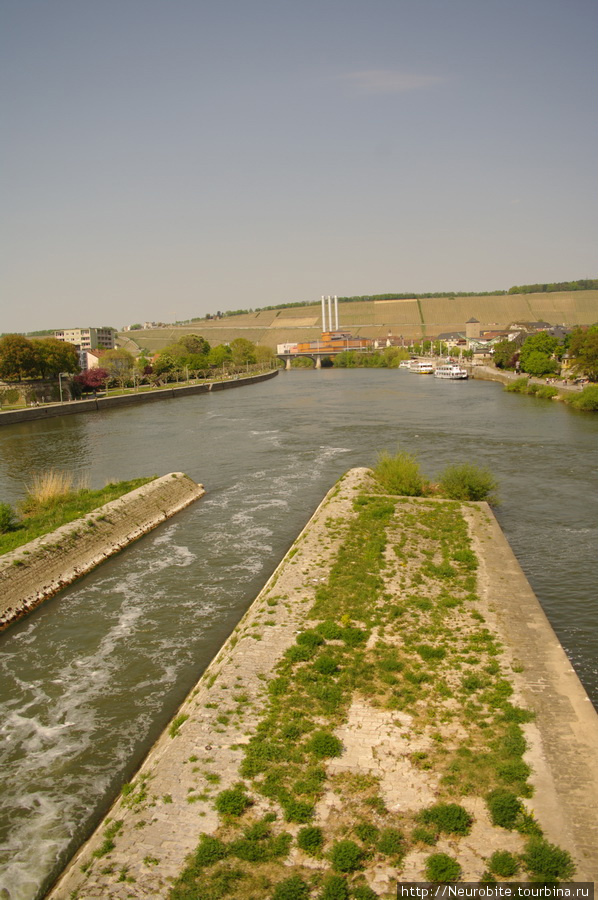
(74, 407)
(41, 568)
(491, 373)
(413, 733)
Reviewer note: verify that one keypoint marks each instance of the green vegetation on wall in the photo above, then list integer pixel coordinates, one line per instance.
(52, 501)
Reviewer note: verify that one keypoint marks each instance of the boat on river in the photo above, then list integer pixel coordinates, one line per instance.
(451, 371)
(421, 368)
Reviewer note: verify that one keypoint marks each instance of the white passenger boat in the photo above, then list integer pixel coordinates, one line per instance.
(451, 371)
(421, 368)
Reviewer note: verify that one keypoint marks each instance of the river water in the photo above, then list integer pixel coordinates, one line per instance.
(90, 679)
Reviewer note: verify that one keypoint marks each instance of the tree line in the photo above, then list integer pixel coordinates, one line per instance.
(191, 356)
(21, 358)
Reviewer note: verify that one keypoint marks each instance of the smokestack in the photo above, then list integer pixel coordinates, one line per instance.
(323, 313)
(336, 310)
(329, 313)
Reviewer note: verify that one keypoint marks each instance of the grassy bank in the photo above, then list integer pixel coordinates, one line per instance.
(396, 646)
(47, 508)
(586, 400)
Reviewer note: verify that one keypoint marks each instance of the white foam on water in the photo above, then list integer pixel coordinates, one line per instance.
(51, 731)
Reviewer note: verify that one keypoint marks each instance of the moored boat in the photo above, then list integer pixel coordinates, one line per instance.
(451, 371)
(421, 368)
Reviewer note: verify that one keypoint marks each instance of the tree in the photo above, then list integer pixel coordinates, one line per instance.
(18, 359)
(220, 355)
(505, 355)
(92, 380)
(165, 364)
(345, 359)
(539, 364)
(264, 354)
(56, 356)
(541, 342)
(583, 347)
(193, 344)
(197, 362)
(394, 355)
(119, 365)
(243, 351)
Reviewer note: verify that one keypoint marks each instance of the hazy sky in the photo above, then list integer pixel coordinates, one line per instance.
(162, 159)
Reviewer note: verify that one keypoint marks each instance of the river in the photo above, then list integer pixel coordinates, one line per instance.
(90, 679)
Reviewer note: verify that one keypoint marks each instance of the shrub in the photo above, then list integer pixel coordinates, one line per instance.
(48, 487)
(232, 802)
(429, 653)
(503, 863)
(367, 832)
(353, 636)
(399, 474)
(547, 861)
(310, 839)
(519, 386)
(325, 745)
(293, 888)
(447, 817)
(334, 888)
(300, 653)
(547, 392)
(513, 771)
(346, 856)
(504, 808)
(330, 630)
(8, 519)
(587, 399)
(423, 835)
(298, 811)
(391, 842)
(440, 867)
(325, 665)
(259, 845)
(363, 892)
(468, 482)
(310, 638)
(210, 851)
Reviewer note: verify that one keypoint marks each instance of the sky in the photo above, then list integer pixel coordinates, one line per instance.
(164, 159)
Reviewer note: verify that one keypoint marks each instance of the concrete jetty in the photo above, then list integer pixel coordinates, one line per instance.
(141, 846)
(36, 571)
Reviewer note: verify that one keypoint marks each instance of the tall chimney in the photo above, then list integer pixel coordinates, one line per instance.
(336, 310)
(323, 313)
(329, 313)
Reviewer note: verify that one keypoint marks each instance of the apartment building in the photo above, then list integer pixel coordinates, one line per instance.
(86, 339)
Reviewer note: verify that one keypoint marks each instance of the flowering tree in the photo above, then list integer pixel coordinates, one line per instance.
(92, 380)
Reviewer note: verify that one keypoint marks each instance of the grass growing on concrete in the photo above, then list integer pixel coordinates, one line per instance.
(394, 630)
(56, 502)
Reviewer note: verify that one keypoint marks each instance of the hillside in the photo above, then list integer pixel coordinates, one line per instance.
(374, 319)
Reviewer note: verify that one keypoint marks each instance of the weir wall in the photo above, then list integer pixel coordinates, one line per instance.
(41, 568)
(74, 407)
(157, 822)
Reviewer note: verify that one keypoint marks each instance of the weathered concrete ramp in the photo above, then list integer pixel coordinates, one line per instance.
(564, 736)
(141, 845)
(41, 568)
